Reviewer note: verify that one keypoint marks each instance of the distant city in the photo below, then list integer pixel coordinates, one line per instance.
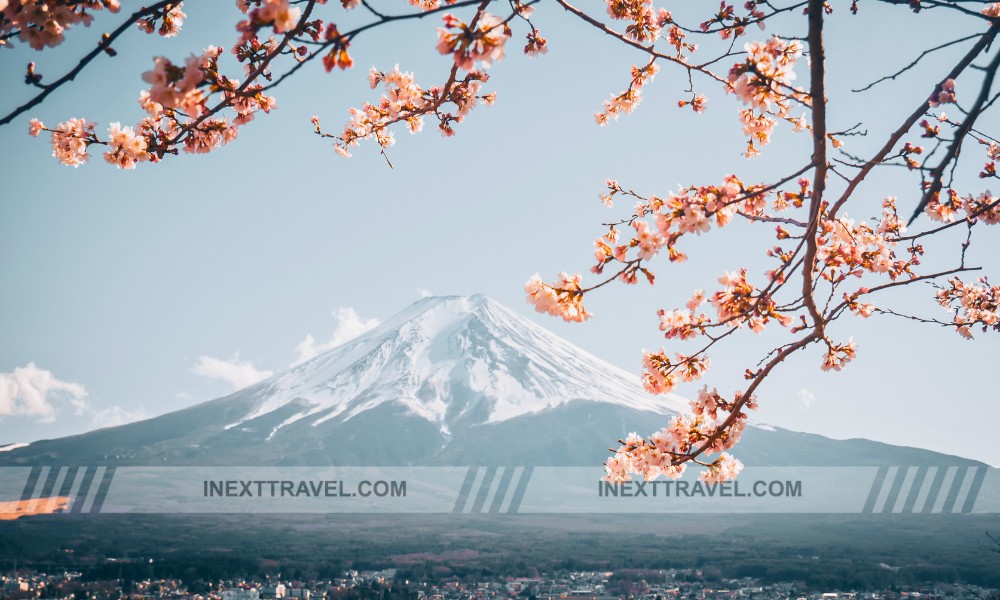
(388, 584)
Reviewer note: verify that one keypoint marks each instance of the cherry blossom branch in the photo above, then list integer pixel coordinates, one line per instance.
(251, 77)
(352, 34)
(647, 49)
(915, 62)
(934, 187)
(915, 116)
(102, 47)
(747, 396)
(895, 284)
(743, 23)
(967, 221)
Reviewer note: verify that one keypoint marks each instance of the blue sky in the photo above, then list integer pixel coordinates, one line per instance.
(121, 282)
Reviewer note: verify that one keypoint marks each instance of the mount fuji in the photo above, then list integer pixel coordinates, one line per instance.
(448, 381)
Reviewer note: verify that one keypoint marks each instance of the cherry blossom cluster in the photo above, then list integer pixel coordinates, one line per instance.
(982, 208)
(731, 24)
(685, 324)
(564, 298)
(481, 41)
(763, 81)
(177, 116)
(170, 18)
(70, 139)
(945, 96)
(184, 101)
(43, 23)
(698, 103)
(860, 309)
(838, 355)
(279, 15)
(944, 210)
(626, 101)
(907, 153)
(739, 303)
(705, 430)
(690, 210)
(972, 304)
(404, 101)
(473, 47)
(645, 22)
(660, 375)
(846, 248)
(992, 11)
(677, 38)
(993, 153)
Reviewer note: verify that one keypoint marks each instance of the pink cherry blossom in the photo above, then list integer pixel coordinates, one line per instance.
(482, 42)
(564, 298)
(126, 148)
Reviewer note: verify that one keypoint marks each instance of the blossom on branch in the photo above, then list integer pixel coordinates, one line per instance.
(972, 304)
(564, 298)
(42, 24)
(763, 81)
(714, 426)
(482, 41)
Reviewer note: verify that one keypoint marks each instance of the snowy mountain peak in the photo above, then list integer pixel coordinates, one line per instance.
(456, 361)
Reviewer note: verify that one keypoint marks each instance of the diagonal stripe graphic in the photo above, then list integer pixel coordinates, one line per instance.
(522, 485)
(956, 486)
(49, 501)
(897, 484)
(463, 494)
(876, 489)
(50, 482)
(977, 484)
(498, 498)
(935, 489)
(81, 495)
(102, 492)
(518, 473)
(491, 496)
(67, 485)
(915, 487)
(29, 485)
(484, 489)
(69, 477)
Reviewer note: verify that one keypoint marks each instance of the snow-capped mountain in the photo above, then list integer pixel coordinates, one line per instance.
(456, 362)
(449, 380)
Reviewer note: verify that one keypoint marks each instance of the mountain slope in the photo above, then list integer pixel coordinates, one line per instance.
(449, 380)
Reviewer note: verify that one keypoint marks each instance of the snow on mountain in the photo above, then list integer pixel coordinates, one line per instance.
(451, 360)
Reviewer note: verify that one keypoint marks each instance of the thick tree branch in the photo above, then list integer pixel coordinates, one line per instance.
(817, 92)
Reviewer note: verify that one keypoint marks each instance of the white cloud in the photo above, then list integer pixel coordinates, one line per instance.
(114, 416)
(31, 391)
(349, 326)
(806, 399)
(424, 292)
(235, 373)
